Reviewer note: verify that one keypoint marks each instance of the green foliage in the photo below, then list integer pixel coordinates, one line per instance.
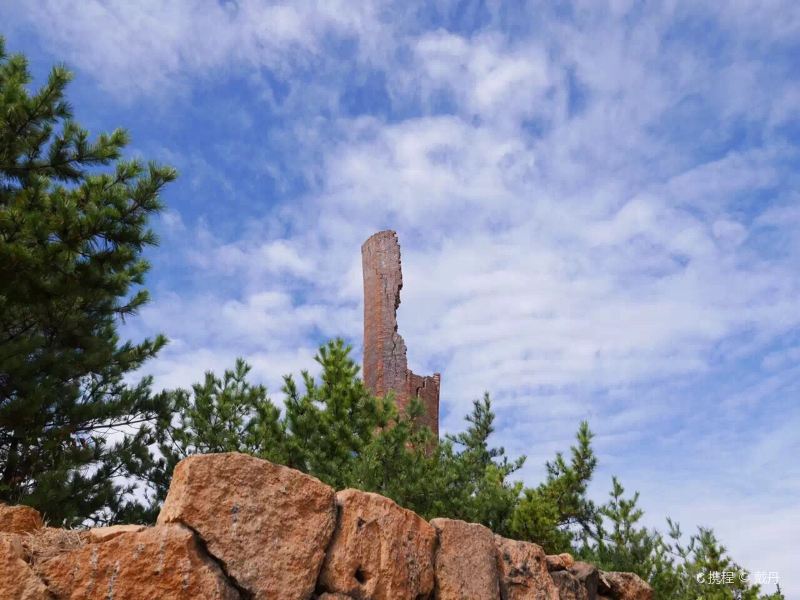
(71, 237)
(331, 424)
(550, 513)
(484, 493)
(337, 431)
(218, 415)
(616, 542)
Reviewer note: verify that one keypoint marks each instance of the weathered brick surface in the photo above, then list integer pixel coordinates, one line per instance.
(385, 361)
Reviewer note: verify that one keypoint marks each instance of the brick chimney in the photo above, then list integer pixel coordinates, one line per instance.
(385, 362)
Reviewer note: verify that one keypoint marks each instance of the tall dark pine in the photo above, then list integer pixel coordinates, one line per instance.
(73, 224)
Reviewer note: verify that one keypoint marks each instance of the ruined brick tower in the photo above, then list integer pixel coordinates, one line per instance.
(385, 362)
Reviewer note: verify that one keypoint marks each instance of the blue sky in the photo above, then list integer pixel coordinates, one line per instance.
(597, 204)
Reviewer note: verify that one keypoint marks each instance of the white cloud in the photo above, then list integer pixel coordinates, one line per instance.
(151, 47)
(496, 82)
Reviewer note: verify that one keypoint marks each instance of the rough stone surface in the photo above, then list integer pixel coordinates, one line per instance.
(19, 519)
(588, 576)
(522, 569)
(465, 565)
(267, 524)
(385, 361)
(160, 562)
(234, 526)
(103, 534)
(379, 550)
(569, 588)
(624, 586)
(559, 562)
(17, 579)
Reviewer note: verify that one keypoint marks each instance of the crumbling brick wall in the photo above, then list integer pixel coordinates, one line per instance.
(385, 361)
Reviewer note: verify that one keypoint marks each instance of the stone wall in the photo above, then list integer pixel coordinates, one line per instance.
(385, 361)
(237, 527)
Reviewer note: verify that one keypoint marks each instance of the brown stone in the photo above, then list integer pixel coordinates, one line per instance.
(385, 362)
(160, 562)
(379, 550)
(559, 562)
(625, 586)
(465, 565)
(103, 534)
(588, 576)
(267, 524)
(17, 579)
(569, 588)
(19, 519)
(522, 570)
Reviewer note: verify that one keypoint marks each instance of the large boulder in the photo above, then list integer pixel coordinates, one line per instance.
(465, 564)
(569, 588)
(379, 550)
(588, 576)
(267, 524)
(522, 568)
(624, 586)
(559, 562)
(19, 519)
(17, 579)
(161, 562)
(579, 582)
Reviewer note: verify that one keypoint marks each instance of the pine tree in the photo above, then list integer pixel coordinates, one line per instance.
(674, 570)
(226, 414)
(550, 513)
(329, 425)
(73, 225)
(626, 546)
(486, 494)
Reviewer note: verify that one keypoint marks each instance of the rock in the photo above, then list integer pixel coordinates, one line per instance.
(522, 569)
(19, 519)
(624, 586)
(559, 562)
(569, 588)
(379, 550)
(17, 579)
(267, 524)
(465, 564)
(328, 596)
(103, 534)
(160, 562)
(588, 576)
